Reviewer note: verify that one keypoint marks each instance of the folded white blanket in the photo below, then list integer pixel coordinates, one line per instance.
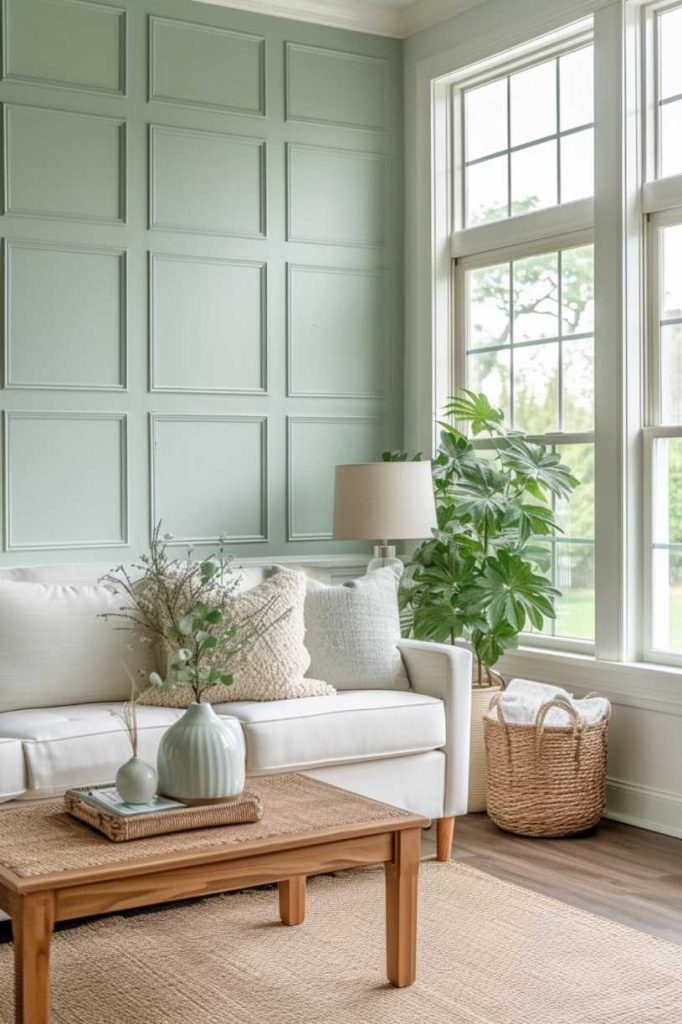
(523, 698)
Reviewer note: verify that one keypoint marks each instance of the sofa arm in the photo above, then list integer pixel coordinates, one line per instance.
(443, 671)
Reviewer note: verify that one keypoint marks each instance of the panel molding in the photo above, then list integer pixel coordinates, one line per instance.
(5, 54)
(155, 418)
(14, 211)
(292, 535)
(261, 265)
(157, 97)
(292, 147)
(349, 55)
(261, 144)
(8, 245)
(379, 273)
(9, 416)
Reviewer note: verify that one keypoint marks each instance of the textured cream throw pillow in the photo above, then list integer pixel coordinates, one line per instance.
(352, 632)
(271, 668)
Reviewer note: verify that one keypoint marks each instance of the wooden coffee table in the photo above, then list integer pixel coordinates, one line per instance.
(54, 868)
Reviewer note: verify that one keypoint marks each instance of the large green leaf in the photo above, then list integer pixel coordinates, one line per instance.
(476, 410)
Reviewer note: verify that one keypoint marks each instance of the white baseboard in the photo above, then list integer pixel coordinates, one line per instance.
(658, 810)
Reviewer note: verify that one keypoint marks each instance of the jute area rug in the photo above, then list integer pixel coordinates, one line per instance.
(490, 953)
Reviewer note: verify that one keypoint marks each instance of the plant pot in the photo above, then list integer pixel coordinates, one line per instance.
(480, 701)
(201, 757)
(136, 781)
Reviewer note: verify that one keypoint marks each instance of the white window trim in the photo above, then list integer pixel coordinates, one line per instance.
(429, 312)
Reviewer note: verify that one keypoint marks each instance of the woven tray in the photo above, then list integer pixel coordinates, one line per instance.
(245, 808)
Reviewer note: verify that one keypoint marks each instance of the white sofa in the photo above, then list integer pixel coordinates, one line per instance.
(406, 747)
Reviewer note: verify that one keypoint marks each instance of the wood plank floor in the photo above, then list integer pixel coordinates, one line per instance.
(620, 872)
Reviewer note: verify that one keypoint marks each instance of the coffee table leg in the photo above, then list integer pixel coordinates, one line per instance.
(401, 908)
(292, 900)
(32, 924)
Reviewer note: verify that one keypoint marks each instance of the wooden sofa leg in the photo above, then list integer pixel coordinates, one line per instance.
(445, 828)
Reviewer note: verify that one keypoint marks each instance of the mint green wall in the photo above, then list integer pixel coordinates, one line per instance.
(202, 252)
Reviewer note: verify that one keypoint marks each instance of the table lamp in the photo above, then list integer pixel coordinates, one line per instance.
(384, 501)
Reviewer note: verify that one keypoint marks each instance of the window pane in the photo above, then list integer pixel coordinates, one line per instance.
(575, 515)
(670, 35)
(533, 103)
(671, 138)
(577, 384)
(536, 297)
(577, 166)
(671, 373)
(534, 177)
(486, 191)
(667, 522)
(485, 118)
(576, 73)
(489, 372)
(577, 290)
(575, 580)
(671, 252)
(536, 387)
(488, 306)
(667, 599)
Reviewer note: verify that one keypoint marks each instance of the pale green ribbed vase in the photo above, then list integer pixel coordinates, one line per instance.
(201, 757)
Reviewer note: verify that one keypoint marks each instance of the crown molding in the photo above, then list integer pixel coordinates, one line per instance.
(357, 15)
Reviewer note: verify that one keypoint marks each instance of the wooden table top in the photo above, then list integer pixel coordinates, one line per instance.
(41, 846)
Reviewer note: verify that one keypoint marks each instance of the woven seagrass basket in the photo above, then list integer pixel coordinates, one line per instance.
(545, 780)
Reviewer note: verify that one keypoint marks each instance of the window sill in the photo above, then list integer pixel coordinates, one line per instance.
(633, 684)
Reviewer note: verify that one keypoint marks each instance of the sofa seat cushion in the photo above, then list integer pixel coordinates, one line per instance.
(353, 725)
(12, 769)
(78, 745)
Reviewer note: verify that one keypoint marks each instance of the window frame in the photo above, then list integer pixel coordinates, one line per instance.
(654, 428)
(562, 226)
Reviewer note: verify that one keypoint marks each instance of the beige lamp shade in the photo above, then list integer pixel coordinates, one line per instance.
(384, 501)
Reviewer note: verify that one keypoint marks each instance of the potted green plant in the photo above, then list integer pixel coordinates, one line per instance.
(483, 576)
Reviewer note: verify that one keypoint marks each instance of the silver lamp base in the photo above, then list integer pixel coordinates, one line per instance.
(384, 554)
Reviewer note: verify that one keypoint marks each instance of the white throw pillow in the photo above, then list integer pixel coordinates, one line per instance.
(272, 667)
(55, 650)
(352, 632)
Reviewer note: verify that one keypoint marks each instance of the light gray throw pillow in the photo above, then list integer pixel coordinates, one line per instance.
(352, 632)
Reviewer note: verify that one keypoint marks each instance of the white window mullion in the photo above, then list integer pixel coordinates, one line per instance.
(617, 230)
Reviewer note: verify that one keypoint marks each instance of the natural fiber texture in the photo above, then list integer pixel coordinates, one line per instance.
(545, 781)
(273, 666)
(489, 953)
(247, 807)
(43, 839)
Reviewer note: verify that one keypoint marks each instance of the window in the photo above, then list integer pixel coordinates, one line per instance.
(528, 138)
(663, 430)
(524, 297)
(664, 436)
(668, 90)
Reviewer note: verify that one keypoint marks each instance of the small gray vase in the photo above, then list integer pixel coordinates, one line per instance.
(136, 782)
(202, 757)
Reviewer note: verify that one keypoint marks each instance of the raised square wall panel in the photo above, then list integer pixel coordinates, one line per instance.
(336, 332)
(68, 43)
(206, 182)
(209, 477)
(62, 164)
(336, 196)
(316, 444)
(65, 480)
(334, 87)
(65, 316)
(208, 324)
(204, 66)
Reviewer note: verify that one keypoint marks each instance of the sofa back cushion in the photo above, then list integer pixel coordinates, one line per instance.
(55, 650)
(352, 632)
